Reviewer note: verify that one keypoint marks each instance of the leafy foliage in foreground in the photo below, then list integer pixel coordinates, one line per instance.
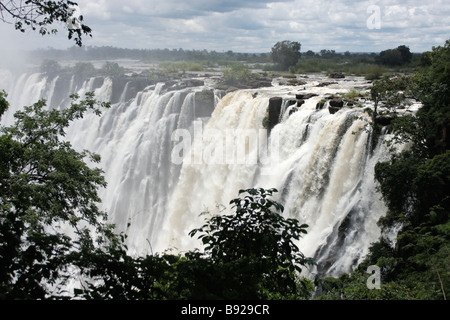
(40, 15)
(250, 254)
(259, 244)
(47, 192)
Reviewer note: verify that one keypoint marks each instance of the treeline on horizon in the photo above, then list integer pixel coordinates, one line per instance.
(158, 55)
(370, 65)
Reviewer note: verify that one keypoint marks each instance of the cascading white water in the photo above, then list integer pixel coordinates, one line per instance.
(321, 163)
(323, 170)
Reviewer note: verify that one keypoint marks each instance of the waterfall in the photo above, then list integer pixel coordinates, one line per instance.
(171, 155)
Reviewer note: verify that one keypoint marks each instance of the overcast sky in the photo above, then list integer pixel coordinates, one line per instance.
(253, 25)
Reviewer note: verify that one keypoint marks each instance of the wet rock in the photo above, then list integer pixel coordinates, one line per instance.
(251, 84)
(274, 111)
(333, 110)
(305, 96)
(260, 83)
(296, 82)
(325, 84)
(335, 105)
(194, 82)
(293, 110)
(320, 105)
(384, 120)
(204, 103)
(336, 75)
(337, 102)
(182, 84)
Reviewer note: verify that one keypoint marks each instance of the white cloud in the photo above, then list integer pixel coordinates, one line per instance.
(256, 25)
(96, 10)
(128, 10)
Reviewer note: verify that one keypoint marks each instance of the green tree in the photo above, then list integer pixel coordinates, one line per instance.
(404, 177)
(84, 70)
(391, 92)
(111, 273)
(41, 14)
(250, 254)
(258, 247)
(50, 66)
(415, 185)
(327, 54)
(112, 69)
(433, 88)
(354, 287)
(405, 54)
(286, 54)
(48, 199)
(395, 57)
(390, 57)
(236, 74)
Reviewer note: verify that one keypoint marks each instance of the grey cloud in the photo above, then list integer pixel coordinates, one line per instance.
(232, 5)
(255, 25)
